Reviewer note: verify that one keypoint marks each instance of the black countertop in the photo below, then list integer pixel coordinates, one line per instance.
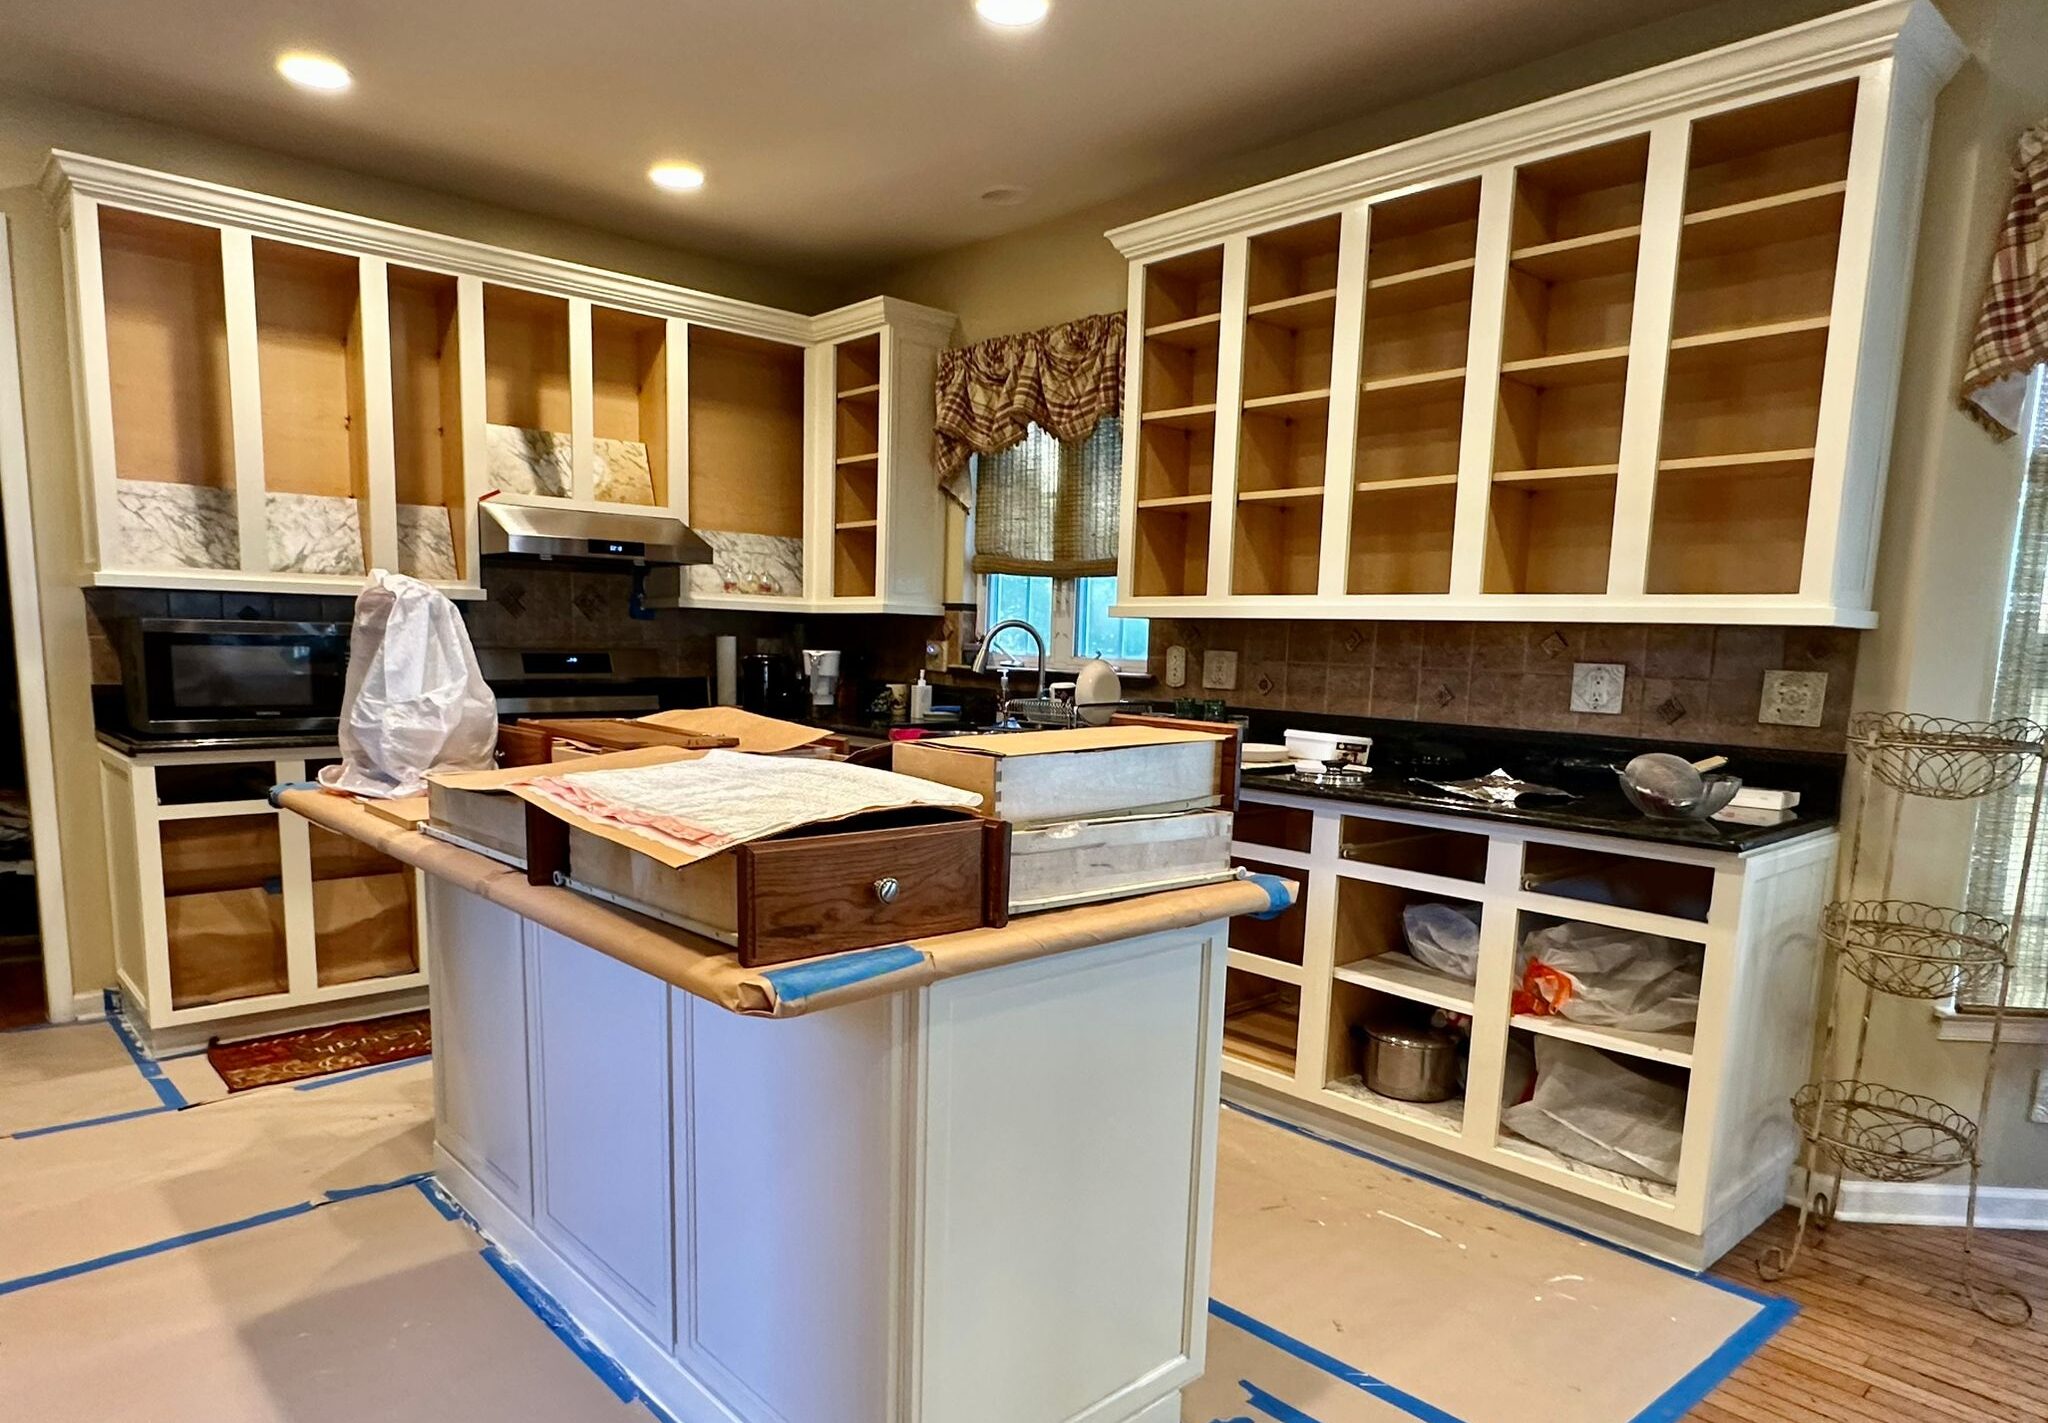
(130, 743)
(1404, 751)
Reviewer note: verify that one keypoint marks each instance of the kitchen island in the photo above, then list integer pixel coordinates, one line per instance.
(961, 1178)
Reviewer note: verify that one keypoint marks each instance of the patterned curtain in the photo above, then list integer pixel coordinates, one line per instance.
(2012, 328)
(2021, 689)
(1048, 506)
(1062, 379)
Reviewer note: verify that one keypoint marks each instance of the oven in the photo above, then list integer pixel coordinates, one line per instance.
(220, 676)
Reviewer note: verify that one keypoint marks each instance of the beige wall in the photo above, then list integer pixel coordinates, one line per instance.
(1948, 520)
(29, 128)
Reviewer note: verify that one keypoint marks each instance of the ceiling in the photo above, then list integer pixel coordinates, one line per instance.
(837, 134)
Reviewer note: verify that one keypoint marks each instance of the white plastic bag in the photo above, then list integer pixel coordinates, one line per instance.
(415, 700)
(1590, 1108)
(1609, 978)
(1445, 937)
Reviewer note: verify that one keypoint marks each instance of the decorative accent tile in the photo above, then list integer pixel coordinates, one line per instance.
(1353, 639)
(1553, 646)
(1443, 696)
(590, 602)
(1264, 684)
(511, 597)
(1597, 687)
(1672, 710)
(1793, 698)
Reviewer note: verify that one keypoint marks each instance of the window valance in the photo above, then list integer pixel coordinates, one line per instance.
(1064, 379)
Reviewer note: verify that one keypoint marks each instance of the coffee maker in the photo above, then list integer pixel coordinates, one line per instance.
(768, 685)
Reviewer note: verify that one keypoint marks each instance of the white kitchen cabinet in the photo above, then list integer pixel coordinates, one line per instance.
(277, 397)
(1301, 983)
(231, 919)
(1629, 354)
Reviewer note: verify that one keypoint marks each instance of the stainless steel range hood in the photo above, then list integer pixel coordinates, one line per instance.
(509, 526)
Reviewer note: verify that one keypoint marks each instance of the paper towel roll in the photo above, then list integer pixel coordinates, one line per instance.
(728, 666)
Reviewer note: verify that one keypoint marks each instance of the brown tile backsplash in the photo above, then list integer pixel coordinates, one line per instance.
(1700, 684)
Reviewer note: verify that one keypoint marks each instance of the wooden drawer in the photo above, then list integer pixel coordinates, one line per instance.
(814, 891)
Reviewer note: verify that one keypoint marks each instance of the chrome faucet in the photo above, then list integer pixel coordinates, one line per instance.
(1003, 717)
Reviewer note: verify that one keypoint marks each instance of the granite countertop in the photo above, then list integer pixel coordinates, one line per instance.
(1588, 812)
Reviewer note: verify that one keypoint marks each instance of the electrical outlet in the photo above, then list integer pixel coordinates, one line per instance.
(1793, 698)
(1596, 687)
(1219, 671)
(1176, 666)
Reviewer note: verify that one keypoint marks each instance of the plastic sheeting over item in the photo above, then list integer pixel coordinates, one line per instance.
(1589, 1107)
(415, 700)
(1609, 978)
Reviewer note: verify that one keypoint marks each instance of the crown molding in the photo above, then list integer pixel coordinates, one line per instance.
(1911, 30)
(878, 311)
(66, 175)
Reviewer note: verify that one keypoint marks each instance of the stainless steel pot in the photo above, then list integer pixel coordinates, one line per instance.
(1411, 1064)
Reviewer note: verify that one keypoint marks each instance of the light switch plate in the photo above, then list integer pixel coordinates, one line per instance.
(1176, 666)
(1793, 698)
(1219, 671)
(1596, 687)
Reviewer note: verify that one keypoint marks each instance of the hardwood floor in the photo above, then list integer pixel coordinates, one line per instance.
(1883, 1334)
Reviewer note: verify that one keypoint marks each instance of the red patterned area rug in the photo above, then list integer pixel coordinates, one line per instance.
(290, 1057)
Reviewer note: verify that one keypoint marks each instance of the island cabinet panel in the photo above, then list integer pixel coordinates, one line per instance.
(278, 398)
(600, 1050)
(1635, 346)
(480, 1013)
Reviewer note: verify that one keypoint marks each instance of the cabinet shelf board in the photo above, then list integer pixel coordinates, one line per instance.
(862, 392)
(1783, 217)
(1174, 501)
(1406, 977)
(1421, 385)
(1569, 474)
(1413, 481)
(1768, 341)
(1671, 1048)
(1595, 367)
(1183, 417)
(1351, 1096)
(1194, 333)
(1423, 287)
(1597, 254)
(1317, 308)
(855, 526)
(845, 460)
(1279, 496)
(1293, 404)
(1755, 463)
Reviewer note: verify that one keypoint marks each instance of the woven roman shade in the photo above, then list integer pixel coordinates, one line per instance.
(1048, 507)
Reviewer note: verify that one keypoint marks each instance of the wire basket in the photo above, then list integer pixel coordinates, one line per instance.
(1942, 759)
(1913, 950)
(1884, 1134)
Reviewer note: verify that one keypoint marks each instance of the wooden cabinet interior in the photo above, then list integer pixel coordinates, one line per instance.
(629, 376)
(1261, 1019)
(746, 407)
(224, 914)
(526, 359)
(167, 354)
(1182, 328)
(857, 445)
(1756, 278)
(309, 349)
(1576, 232)
(426, 401)
(1420, 258)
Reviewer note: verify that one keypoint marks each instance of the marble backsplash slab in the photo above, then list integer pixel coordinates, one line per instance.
(750, 563)
(520, 461)
(165, 525)
(426, 542)
(313, 533)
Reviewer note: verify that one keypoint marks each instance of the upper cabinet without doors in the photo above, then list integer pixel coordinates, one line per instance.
(279, 397)
(1630, 354)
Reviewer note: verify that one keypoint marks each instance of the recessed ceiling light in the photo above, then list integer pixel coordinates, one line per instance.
(1013, 14)
(314, 71)
(676, 177)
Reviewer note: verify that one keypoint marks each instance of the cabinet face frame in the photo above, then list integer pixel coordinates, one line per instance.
(1898, 53)
(910, 558)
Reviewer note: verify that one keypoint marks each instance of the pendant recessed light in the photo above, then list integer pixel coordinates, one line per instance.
(314, 71)
(1013, 14)
(676, 177)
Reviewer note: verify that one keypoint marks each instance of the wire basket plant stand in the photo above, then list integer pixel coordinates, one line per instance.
(1903, 948)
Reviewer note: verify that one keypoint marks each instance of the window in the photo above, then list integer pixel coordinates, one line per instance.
(1043, 539)
(2021, 690)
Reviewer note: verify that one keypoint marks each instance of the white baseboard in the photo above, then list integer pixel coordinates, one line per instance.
(1941, 1203)
(86, 1006)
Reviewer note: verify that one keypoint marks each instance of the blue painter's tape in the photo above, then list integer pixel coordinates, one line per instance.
(561, 1326)
(277, 791)
(166, 1091)
(1272, 1407)
(1279, 897)
(88, 1122)
(350, 1193)
(1713, 1371)
(798, 981)
(122, 1257)
(1336, 1368)
(440, 1200)
(335, 1079)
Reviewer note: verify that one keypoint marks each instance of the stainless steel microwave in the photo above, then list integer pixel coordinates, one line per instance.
(220, 676)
